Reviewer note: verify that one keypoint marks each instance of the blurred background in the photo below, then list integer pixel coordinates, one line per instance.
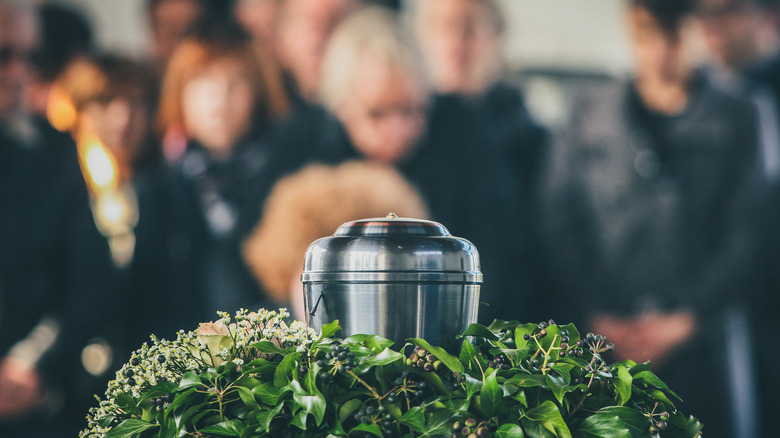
(616, 162)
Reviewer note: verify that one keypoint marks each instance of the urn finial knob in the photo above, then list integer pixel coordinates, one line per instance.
(392, 215)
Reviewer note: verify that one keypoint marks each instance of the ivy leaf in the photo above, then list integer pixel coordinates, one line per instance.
(522, 330)
(415, 419)
(447, 359)
(130, 428)
(348, 408)
(500, 324)
(309, 403)
(374, 342)
(688, 427)
(557, 385)
(329, 329)
(225, 428)
(265, 417)
(633, 419)
(284, 370)
(549, 417)
(510, 431)
(623, 385)
(602, 425)
(268, 347)
(371, 428)
(491, 397)
(526, 380)
(471, 357)
(189, 380)
(648, 378)
(268, 393)
(480, 331)
(386, 357)
(126, 402)
(439, 423)
(247, 397)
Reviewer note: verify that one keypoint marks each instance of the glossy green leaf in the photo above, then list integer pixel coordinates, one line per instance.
(329, 329)
(348, 408)
(374, 342)
(386, 357)
(480, 331)
(623, 385)
(509, 431)
(371, 428)
(602, 425)
(283, 372)
(225, 428)
(447, 359)
(491, 398)
(130, 428)
(415, 419)
(548, 416)
(310, 403)
(189, 380)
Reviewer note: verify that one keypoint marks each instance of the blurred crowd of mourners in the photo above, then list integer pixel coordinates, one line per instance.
(140, 196)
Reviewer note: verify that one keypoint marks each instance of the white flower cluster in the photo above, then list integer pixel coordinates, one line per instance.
(164, 360)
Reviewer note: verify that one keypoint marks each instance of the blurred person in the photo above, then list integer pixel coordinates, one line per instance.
(379, 106)
(65, 34)
(313, 203)
(302, 31)
(258, 18)
(170, 21)
(112, 97)
(215, 91)
(55, 273)
(742, 36)
(648, 215)
(462, 41)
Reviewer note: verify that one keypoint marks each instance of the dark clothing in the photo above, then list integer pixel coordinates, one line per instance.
(646, 211)
(221, 202)
(519, 139)
(458, 175)
(53, 263)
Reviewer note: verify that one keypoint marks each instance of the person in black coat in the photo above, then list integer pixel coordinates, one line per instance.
(55, 271)
(218, 95)
(380, 108)
(648, 215)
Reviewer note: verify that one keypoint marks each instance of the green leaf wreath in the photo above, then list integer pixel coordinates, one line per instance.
(255, 375)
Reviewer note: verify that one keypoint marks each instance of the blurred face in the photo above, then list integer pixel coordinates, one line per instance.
(731, 30)
(303, 30)
(257, 17)
(18, 36)
(385, 112)
(121, 124)
(172, 19)
(461, 44)
(218, 104)
(660, 53)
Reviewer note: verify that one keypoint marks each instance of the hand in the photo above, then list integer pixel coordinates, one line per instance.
(20, 388)
(651, 336)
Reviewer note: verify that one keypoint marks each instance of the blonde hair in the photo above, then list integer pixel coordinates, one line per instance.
(376, 31)
(312, 204)
(211, 44)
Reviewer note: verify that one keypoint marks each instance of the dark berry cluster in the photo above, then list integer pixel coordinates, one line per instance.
(159, 403)
(377, 415)
(457, 379)
(470, 429)
(420, 358)
(407, 387)
(340, 359)
(500, 363)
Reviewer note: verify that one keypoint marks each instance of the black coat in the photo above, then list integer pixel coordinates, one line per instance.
(644, 211)
(53, 262)
(460, 176)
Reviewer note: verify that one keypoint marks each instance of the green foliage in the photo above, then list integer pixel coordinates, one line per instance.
(509, 380)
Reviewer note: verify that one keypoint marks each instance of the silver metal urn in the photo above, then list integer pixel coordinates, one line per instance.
(394, 277)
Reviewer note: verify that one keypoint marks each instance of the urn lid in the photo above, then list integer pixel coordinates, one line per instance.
(392, 249)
